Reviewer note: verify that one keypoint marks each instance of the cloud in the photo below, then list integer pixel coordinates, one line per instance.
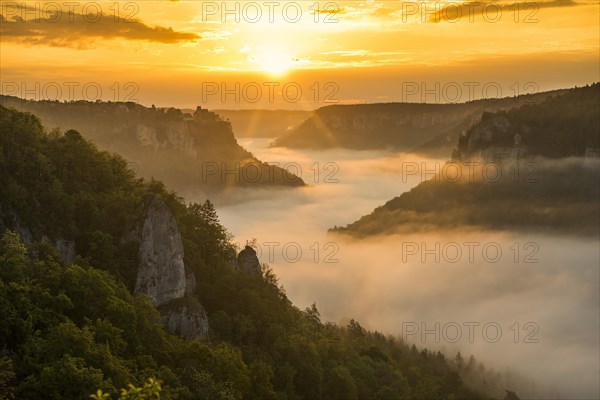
(385, 12)
(80, 31)
(331, 9)
(464, 11)
(451, 11)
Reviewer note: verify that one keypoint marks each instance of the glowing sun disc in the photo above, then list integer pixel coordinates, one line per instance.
(275, 63)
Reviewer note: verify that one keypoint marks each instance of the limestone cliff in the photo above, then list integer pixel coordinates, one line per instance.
(183, 150)
(482, 142)
(376, 126)
(424, 128)
(185, 317)
(10, 220)
(247, 262)
(162, 274)
(566, 125)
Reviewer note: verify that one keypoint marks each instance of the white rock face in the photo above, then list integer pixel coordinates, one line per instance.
(66, 248)
(185, 318)
(161, 273)
(484, 132)
(147, 137)
(176, 137)
(10, 219)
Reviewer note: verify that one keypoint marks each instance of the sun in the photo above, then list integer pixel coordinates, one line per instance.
(274, 62)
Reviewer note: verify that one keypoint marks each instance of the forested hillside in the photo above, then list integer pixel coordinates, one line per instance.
(185, 150)
(565, 125)
(534, 167)
(70, 328)
(420, 127)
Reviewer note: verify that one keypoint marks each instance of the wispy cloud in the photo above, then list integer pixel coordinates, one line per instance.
(471, 9)
(80, 32)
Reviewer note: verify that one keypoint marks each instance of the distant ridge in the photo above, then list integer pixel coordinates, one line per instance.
(420, 127)
(548, 158)
(184, 150)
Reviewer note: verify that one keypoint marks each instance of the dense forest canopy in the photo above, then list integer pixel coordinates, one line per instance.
(184, 150)
(564, 125)
(427, 128)
(533, 168)
(71, 328)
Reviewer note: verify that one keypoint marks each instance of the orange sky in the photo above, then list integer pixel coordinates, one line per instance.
(294, 55)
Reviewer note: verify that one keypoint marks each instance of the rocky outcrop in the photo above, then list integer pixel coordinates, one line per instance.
(174, 135)
(181, 150)
(162, 275)
(488, 142)
(185, 317)
(10, 220)
(248, 262)
(483, 134)
(161, 272)
(66, 248)
(561, 126)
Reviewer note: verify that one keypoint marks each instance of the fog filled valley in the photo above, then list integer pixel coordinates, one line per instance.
(299, 200)
(295, 272)
(390, 283)
(182, 255)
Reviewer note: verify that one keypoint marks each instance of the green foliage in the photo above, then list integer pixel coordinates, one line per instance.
(7, 376)
(563, 125)
(559, 197)
(73, 328)
(210, 158)
(538, 192)
(429, 128)
(149, 391)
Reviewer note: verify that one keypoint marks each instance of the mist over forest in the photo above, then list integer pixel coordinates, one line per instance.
(330, 200)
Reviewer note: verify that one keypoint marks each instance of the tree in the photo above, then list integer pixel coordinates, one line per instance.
(150, 390)
(313, 313)
(511, 395)
(73, 328)
(13, 256)
(459, 361)
(355, 330)
(7, 378)
(261, 375)
(340, 384)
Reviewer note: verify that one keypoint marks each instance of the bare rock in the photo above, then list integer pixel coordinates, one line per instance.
(248, 262)
(161, 273)
(185, 318)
